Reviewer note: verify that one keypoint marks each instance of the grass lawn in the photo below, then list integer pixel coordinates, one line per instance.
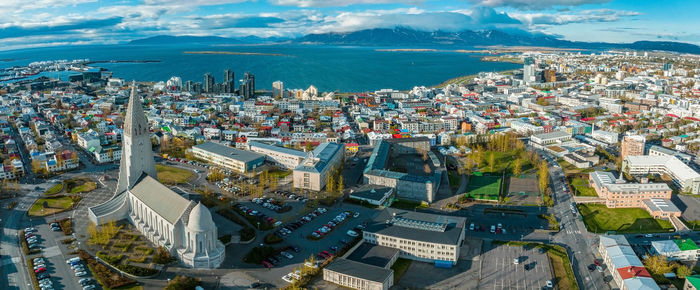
(173, 175)
(54, 189)
(85, 187)
(484, 187)
(400, 267)
(54, 205)
(581, 187)
(408, 204)
(502, 159)
(280, 173)
(571, 169)
(600, 219)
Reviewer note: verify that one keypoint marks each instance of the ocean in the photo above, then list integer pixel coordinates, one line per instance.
(329, 68)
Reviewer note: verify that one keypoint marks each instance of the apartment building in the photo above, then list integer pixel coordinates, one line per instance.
(280, 156)
(418, 236)
(312, 172)
(626, 268)
(684, 177)
(551, 138)
(227, 157)
(632, 146)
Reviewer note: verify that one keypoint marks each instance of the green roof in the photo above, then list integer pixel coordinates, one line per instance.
(694, 280)
(686, 245)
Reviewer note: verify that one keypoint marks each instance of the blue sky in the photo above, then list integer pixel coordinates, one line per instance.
(37, 23)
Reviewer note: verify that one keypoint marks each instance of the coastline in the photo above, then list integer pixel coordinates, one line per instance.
(462, 79)
(232, 53)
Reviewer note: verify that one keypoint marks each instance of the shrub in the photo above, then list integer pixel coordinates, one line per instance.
(67, 241)
(136, 270)
(162, 256)
(272, 239)
(111, 259)
(247, 234)
(183, 283)
(66, 226)
(104, 275)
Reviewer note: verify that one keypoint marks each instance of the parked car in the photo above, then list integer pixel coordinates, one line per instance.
(352, 233)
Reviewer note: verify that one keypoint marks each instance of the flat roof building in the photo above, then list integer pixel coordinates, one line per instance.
(280, 156)
(227, 157)
(626, 268)
(418, 236)
(684, 177)
(632, 146)
(312, 173)
(373, 194)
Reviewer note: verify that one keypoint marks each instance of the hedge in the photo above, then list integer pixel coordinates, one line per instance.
(104, 275)
(271, 238)
(136, 270)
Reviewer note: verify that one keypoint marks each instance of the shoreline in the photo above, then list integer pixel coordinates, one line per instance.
(232, 53)
(462, 79)
(120, 61)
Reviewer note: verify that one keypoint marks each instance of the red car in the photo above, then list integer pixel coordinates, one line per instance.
(267, 264)
(322, 255)
(42, 269)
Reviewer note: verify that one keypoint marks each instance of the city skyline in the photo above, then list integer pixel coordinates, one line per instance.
(76, 22)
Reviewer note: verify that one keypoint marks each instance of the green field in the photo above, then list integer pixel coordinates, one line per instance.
(484, 187)
(600, 219)
(503, 159)
(173, 175)
(54, 189)
(581, 187)
(54, 205)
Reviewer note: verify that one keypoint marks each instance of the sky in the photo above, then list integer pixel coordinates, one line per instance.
(39, 23)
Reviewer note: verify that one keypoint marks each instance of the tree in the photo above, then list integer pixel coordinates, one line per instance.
(341, 184)
(683, 271)
(657, 264)
(492, 161)
(517, 167)
(543, 174)
(309, 147)
(183, 283)
(330, 182)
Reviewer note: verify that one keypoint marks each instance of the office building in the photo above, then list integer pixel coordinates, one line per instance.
(653, 197)
(227, 157)
(312, 173)
(529, 70)
(229, 85)
(632, 145)
(247, 87)
(368, 266)
(280, 156)
(418, 236)
(676, 250)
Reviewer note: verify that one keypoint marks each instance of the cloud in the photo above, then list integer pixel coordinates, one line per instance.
(234, 21)
(338, 3)
(585, 16)
(29, 29)
(534, 4)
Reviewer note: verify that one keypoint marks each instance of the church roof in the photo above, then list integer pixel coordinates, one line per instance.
(200, 219)
(160, 198)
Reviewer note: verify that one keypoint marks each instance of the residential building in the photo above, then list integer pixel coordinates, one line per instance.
(226, 157)
(626, 268)
(676, 250)
(545, 139)
(632, 146)
(692, 282)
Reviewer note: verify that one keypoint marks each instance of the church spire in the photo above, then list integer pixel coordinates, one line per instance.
(137, 155)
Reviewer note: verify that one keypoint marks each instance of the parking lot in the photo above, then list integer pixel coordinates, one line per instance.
(500, 271)
(55, 254)
(309, 247)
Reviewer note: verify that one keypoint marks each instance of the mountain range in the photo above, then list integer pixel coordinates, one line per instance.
(401, 36)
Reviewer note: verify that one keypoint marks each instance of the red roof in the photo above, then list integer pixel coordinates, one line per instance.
(692, 119)
(351, 144)
(633, 271)
(588, 119)
(672, 115)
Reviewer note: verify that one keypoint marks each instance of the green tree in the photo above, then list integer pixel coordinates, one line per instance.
(492, 161)
(341, 184)
(683, 271)
(309, 147)
(657, 264)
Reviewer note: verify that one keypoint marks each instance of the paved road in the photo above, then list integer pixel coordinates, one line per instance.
(581, 244)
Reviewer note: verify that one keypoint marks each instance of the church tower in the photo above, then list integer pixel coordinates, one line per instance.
(137, 155)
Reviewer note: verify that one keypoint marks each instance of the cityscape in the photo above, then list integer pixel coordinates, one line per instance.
(536, 162)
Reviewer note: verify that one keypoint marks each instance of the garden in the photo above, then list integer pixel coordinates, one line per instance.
(122, 247)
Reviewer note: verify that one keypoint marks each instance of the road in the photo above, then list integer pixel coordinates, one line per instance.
(581, 244)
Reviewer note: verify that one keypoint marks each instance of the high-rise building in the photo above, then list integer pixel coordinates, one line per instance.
(632, 145)
(550, 76)
(188, 86)
(229, 81)
(529, 70)
(278, 89)
(247, 88)
(668, 66)
(208, 86)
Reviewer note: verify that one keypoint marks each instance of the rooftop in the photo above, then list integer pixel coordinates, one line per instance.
(360, 270)
(418, 226)
(280, 149)
(375, 255)
(229, 152)
(371, 191)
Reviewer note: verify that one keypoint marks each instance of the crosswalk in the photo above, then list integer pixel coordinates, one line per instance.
(572, 232)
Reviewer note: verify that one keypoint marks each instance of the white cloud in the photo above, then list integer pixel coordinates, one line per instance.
(534, 4)
(595, 15)
(338, 3)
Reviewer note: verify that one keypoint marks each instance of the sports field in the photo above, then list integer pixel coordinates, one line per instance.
(484, 187)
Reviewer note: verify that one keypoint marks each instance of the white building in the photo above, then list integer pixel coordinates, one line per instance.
(311, 173)
(676, 250)
(280, 156)
(551, 138)
(165, 218)
(682, 175)
(226, 157)
(605, 136)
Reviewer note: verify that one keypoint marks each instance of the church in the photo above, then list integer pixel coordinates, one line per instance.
(167, 219)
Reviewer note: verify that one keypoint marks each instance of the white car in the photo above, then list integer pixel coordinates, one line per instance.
(288, 255)
(549, 284)
(356, 214)
(288, 278)
(352, 233)
(516, 261)
(310, 265)
(471, 227)
(80, 274)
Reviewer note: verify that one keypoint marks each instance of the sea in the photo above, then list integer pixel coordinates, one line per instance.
(329, 68)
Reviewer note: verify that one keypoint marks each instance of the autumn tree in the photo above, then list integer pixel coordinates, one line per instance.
(517, 167)
(657, 264)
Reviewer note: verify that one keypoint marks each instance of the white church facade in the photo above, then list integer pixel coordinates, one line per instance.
(167, 219)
